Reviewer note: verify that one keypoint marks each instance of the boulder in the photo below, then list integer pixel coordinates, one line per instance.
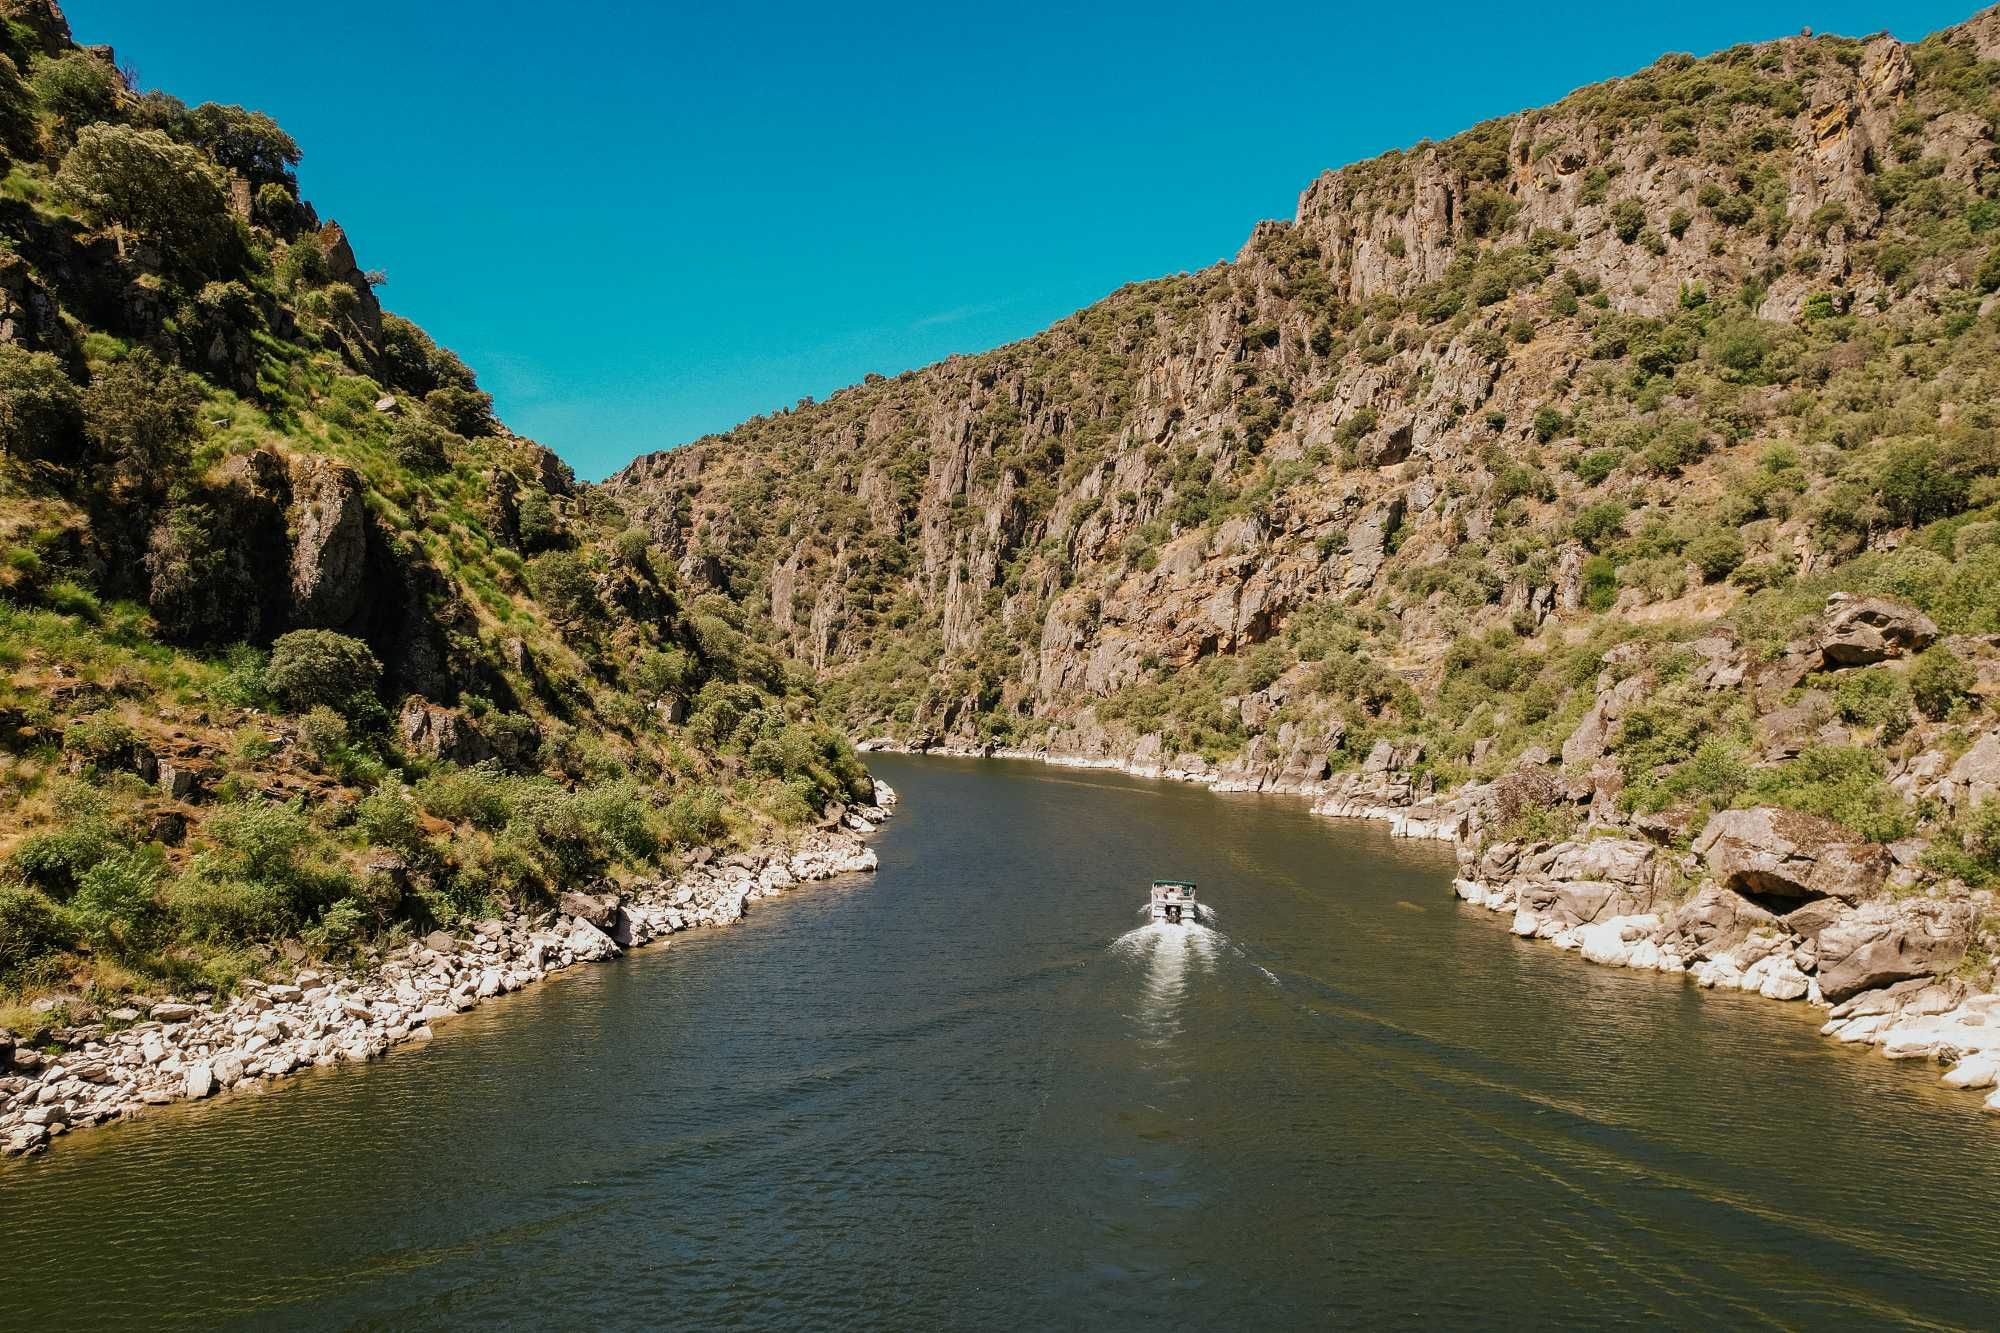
(1886, 942)
(199, 1081)
(1790, 854)
(440, 733)
(1714, 921)
(587, 942)
(1860, 630)
(599, 909)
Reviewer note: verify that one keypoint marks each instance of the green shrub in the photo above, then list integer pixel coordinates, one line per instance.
(565, 587)
(1549, 424)
(1968, 848)
(322, 733)
(76, 89)
(264, 872)
(420, 444)
(1717, 553)
(1918, 485)
(1675, 445)
(248, 143)
(694, 816)
(142, 180)
(102, 740)
(55, 860)
(41, 410)
(461, 410)
(1600, 524)
(31, 927)
(141, 416)
(1842, 783)
(201, 587)
(388, 817)
(312, 668)
(1939, 679)
(117, 897)
(480, 795)
(1627, 217)
(1592, 468)
(1871, 698)
(1600, 583)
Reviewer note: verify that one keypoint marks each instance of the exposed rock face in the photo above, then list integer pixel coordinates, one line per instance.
(1975, 776)
(1886, 942)
(1860, 630)
(1177, 475)
(1714, 921)
(1789, 854)
(330, 543)
(41, 18)
(440, 733)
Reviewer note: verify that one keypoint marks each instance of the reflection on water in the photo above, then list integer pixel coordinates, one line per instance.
(968, 1093)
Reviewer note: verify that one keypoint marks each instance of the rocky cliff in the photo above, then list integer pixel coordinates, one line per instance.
(1620, 470)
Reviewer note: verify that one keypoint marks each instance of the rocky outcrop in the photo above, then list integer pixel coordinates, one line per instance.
(439, 733)
(1861, 630)
(329, 543)
(180, 1050)
(1788, 854)
(1885, 942)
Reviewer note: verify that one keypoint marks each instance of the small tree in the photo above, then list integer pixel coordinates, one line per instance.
(1939, 679)
(248, 143)
(1918, 485)
(143, 181)
(1599, 524)
(141, 416)
(317, 667)
(422, 445)
(468, 412)
(41, 411)
(563, 584)
(1717, 553)
(76, 90)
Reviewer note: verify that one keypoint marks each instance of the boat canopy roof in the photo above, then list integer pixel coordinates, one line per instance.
(1174, 884)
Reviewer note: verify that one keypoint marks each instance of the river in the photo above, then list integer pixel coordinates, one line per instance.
(974, 1091)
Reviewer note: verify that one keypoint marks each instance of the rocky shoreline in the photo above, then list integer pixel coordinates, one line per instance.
(153, 1053)
(1783, 905)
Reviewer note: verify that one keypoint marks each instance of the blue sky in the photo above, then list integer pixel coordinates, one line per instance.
(641, 223)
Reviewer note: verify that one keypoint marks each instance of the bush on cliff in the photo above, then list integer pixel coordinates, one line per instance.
(141, 180)
(263, 870)
(31, 927)
(41, 410)
(318, 668)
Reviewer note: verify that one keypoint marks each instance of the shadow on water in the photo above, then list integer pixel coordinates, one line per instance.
(968, 1092)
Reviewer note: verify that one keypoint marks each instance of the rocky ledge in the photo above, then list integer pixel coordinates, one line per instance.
(174, 1050)
(1784, 905)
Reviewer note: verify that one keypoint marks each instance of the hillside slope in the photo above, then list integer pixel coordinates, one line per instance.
(1524, 462)
(303, 650)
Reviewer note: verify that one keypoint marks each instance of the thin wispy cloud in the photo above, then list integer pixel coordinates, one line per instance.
(963, 312)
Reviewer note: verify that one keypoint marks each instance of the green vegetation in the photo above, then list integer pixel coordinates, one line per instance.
(301, 648)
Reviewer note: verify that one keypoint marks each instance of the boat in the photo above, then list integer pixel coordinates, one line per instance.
(1174, 902)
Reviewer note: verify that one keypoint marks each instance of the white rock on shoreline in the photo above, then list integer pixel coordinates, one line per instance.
(184, 1050)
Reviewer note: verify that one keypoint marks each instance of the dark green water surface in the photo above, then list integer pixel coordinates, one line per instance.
(971, 1092)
